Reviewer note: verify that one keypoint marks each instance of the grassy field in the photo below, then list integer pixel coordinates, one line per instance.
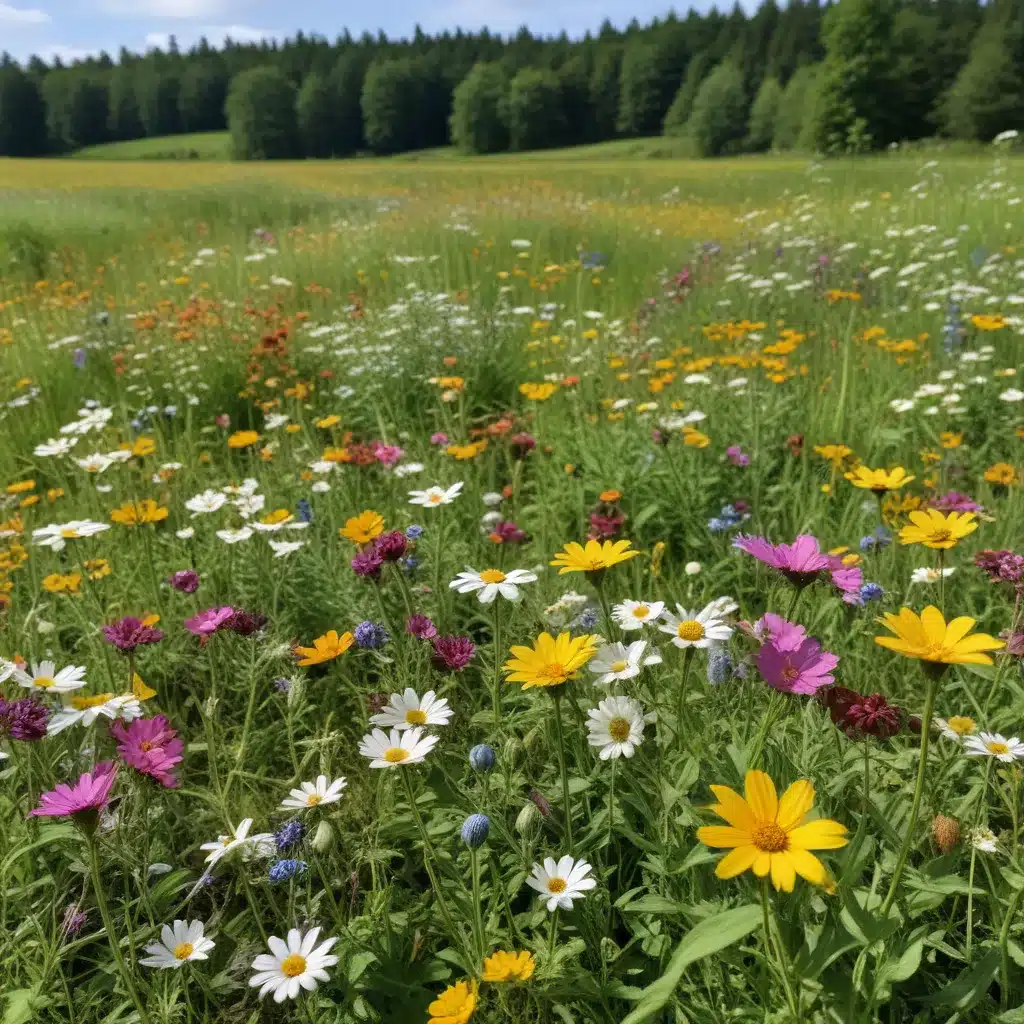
(290, 455)
(194, 146)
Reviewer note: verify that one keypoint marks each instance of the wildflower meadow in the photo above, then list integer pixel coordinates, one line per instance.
(513, 591)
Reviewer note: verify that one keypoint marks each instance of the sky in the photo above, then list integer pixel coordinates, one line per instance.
(75, 28)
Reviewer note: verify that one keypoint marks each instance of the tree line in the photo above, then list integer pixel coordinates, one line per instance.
(842, 77)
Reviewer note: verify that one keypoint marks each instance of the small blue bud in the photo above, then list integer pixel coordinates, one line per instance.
(720, 666)
(475, 830)
(481, 758)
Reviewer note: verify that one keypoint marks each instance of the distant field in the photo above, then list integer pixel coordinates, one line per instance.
(196, 146)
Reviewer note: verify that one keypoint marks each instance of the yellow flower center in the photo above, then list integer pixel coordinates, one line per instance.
(416, 717)
(183, 950)
(962, 725)
(790, 674)
(43, 682)
(995, 747)
(69, 533)
(83, 703)
(641, 611)
(553, 673)
(769, 838)
(691, 630)
(941, 536)
(618, 729)
(620, 666)
(434, 499)
(492, 576)
(293, 965)
(313, 799)
(557, 885)
(396, 755)
(146, 745)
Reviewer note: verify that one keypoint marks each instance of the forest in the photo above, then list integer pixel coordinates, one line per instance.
(845, 77)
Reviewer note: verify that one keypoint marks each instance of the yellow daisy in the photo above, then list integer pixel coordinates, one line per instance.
(549, 662)
(596, 555)
(325, 648)
(878, 480)
(936, 530)
(930, 638)
(503, 966)
(455, 1005)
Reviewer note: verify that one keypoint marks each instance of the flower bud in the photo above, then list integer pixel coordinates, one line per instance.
(946, 832)
(475, 830)
(323, 838)
(528, 821)
(481, 758)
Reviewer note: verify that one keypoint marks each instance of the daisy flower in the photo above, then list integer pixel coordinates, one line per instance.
(930, 638)
(561, 882)
(85, 798)
(408, 746)
(956, 727)
(617, 661)
(314, 794)
(616, 726)
(993, 744)
(85, 711)
(593, 557)
(178, 944)
(695, 629)
(235, 536)
(492, 582)
(44, 676)
(261, 844)
(506, 966)
(55, 446)
(208, 501)
(930, 575)
(630, 615)
(984, 839)
(551, 661)
(407, 710)
(282, 548)
(455, 1005)
(56, 535)
(294, 965)
(434, 496)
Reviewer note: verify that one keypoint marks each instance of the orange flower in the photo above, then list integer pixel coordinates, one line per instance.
(243, 439)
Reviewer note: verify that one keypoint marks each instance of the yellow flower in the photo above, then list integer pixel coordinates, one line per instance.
(279, 515)
(935, 530)
(502, 966)
(549, 662)
(60, 583)
(328, 421)
(143, 446)
(596, 555)
(97, 568)
(930, 638)
(950, 440)
(243, 439)
(466, 451)
(133, 513)
(657, 555)
(361, 529)
(54, 493)
(538, 392)
(455, 1005)
(21, 487)
(139, 689)
(93, 701)
(834, 453)
(988, 321)
(878, 480)
(1001, 473)
(325, 648)
(771, 836)
(695, 438)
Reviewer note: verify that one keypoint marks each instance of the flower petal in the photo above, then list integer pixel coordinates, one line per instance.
(807, 866)
(795, 803)
(735, 862)
(733, 808)
(819, 835)
(760, 792)
(783, 872)
(723, 836)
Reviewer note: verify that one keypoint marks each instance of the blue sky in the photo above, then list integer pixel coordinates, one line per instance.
(73, 28)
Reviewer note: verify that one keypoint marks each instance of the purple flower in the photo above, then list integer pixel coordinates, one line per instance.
(421, 627)
(245, 623)
(735, 454)
(452, 653)
(73, 920)
(367, 563)
(185, 580)
(847, 579)
(801, 562)
(803, 670)
(953, 501)
(781, 633)
(391, 546)
(387, 454)
(369, 634)
(130, 633)
(23, 719)
(506, 532)
(206, 623)
(440, 438)
(1001, 566)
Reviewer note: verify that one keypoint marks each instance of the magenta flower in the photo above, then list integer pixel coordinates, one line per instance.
(521, 445)
(206, 623)
(781, 633)
(953, 501)
(24, 719)
(802, 670)
(735, 454)
(439, 438)
(847, 579)
(387, 454)
(452, 653)
(507, 532)
(130, 633)
(801, 562)
(391, 546)
(82, 801)
(245, 623)
(150, 746)
(185, 580)
(367, 563)
(421, 627)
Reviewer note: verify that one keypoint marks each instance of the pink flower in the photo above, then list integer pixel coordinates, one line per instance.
(439, 438)
(205, 624)
(804, 669)
(735, 454)
(150, 746)
(781, 633)
(847, 579)
(83, 800)
(387, 454)
(800, 562)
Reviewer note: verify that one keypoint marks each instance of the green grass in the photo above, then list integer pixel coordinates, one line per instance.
(194, 146)
(392, 301)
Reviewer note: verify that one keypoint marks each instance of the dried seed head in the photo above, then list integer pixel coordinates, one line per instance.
(946, 832)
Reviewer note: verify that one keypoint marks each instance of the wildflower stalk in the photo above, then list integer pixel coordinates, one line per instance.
(611, 805)
(478, 910)
(773, 939)
(1004, 957)
(974, 856)
(681, 708)
(496, 685)
(108, 927)
(563, 771)
(922, 767)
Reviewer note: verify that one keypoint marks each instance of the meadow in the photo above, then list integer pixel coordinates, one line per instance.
(519, 588)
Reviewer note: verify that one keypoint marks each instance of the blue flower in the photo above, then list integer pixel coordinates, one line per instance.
(587, 619)
(304, 510)
(720, 666)
(283, 870)
(369, 634)
(475, 830)
(871, 591)
(78, 358)
(291, 833)
(481, 758)
(879, 538)
(413, 532)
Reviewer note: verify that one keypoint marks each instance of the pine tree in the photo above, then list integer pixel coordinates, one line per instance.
(204, 88)
(346, 84)
(574, 77)
(123, 121)
(647, 83)
(604, 90)
(22, 115)
(682, 106)
(157, 90)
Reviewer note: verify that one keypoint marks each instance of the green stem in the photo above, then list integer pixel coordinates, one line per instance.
(974, 857)
(1004, 938)
(474, 857)
(922, 767)
(563, 771)
(496, 685)
(794, 600)
(611, 805)
(681, 708)
(553, 938)
(108, 927)
(774, 940)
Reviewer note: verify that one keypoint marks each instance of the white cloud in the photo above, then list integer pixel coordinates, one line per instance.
(23, 16)
(67, 54)
(158, 40)
(181, 9)
(239, 33)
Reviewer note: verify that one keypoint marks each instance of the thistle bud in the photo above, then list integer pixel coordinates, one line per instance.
(475, 830)
(946, 832)
(323, 838)
(528, 821)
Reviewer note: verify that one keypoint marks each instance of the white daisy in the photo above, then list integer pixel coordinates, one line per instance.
(407, 710)
(617, 661)
(407, 746)
(178, 944)
(261, 844)
(6, 669)
(721, 606)
(695, 629)
(993, 744)
(95, 463)
(207, 501)
(984, 839)
(44, 676)
(282, 548)
(235, 536)
(85, 711)
(930, 575)
(313, 794)
(54, 447)
(56, 535)
(408, 468)
(187, 534)
(630, 615)
(293, 966)
(562, 882)
(249, 504)
(956, 727)
(492, 582)
(434, 496)
(616, 725)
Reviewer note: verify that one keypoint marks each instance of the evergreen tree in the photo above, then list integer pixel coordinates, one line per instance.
(763, 114)
(479, 123)
(314, 117)
(76, 108)
(157, 90)
(346, 84)
(647, 83)
(604, 90)
(534, 109)
(719, 117)
(261, 115)
(204, 88)
(123, 121)
(574, 76)
(682, 106)
(22, 115)
(389, 106)
(796, 108)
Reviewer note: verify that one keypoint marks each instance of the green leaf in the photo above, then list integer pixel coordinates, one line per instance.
(358, 963)
(643, 515)
(708, 937)
(906, 966)
(23, 1005)
(970, 985)
(652, 903)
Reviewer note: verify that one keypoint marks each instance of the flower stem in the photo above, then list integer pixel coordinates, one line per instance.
(681, 708)
(1004, 938)
(974, 856)
(611, 805)
(108, 927)
(474, 857)
(553, 938)
(922, 767)
(774, 940)
(564, 772)
(496, 685)
(793, 601)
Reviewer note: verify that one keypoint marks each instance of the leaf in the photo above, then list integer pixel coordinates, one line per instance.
(1015, 952)
(358, 963)
(905, 967)
(23, 1005)
(652, 903)
(710, 936)
(563, 1012)
(969, 986)
(643, 515)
